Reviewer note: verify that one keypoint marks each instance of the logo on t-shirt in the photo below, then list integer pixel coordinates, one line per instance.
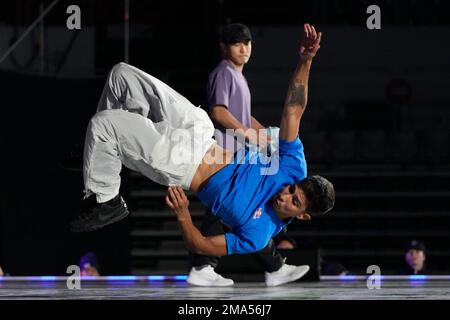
(257, 214)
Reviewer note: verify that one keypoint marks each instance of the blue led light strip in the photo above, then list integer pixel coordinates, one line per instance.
(386, 278)
(101, 278)
(184, 277)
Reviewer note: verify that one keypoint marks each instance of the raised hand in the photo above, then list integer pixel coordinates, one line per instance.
(310, 43)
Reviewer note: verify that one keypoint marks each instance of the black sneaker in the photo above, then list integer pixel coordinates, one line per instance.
(97, 215)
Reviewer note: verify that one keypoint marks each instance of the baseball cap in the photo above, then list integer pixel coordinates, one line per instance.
(416, 244)
(234, 33)
(89, 258)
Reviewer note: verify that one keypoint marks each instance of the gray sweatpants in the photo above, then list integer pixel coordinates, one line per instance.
(147, 126)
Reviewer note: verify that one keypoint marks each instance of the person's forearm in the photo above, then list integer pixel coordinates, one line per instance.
(256, 124)
(226, 119)
(297, 95)
(191, 235)
(195, 241)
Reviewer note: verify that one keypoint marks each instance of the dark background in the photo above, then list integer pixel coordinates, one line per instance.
(388, 83)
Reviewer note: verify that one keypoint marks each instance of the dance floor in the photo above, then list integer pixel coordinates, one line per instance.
(176, 288)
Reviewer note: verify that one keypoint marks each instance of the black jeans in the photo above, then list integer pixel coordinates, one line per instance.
(269, 257)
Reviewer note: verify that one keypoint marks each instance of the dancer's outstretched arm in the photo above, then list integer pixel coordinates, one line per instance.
(297, 94)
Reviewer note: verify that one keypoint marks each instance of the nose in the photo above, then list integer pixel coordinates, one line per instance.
(285, 196)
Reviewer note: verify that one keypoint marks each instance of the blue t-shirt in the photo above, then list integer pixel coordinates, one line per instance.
(240, 192)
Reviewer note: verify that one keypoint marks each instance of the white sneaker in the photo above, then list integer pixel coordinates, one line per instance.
(287, 273)
(207, 277)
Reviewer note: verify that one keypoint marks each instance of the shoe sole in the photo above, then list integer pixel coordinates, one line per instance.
(208, 285)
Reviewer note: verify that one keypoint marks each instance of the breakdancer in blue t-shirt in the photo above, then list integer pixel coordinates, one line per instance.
(255, 203)
(147, 126)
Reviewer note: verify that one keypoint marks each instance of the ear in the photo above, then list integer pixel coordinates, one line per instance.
(304, 216)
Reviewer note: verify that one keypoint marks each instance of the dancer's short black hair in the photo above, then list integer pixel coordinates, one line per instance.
(320, 194)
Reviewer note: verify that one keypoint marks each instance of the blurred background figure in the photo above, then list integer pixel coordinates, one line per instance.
(415, 256)
(89, 265)
(285, 242)
(1, 272)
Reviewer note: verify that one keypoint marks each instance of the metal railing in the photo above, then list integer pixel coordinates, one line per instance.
(28, 30)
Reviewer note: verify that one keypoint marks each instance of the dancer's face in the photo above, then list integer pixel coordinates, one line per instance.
(238, 53)
(291, 202)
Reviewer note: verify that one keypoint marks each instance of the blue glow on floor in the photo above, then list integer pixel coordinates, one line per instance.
(348, 278)
(47, 278)
(89, 278)
(97, 278)
(121, 278)
(181, 277)
(417, 277)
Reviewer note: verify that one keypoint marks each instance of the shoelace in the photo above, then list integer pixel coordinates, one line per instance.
(213, 274)
(289, 267)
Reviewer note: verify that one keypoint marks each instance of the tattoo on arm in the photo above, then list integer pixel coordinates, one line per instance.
(298, 95)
